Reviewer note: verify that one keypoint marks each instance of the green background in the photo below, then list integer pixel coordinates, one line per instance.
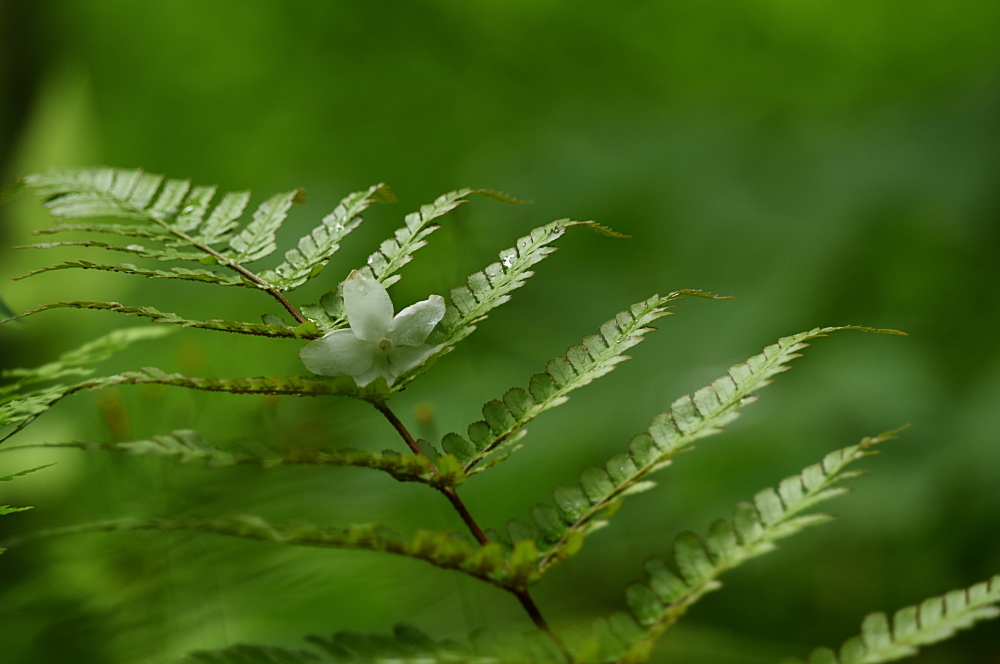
(827, 163)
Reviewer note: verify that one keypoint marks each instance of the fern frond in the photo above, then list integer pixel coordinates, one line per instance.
(125, 230)
(7, 509)
(315, 249)
(208, 276)
(21, 409)
(596, 356)
(305, 331)
(242, 654)
(258, 239)
(398, 250)
(275, 385)
(73, 362)
(186, 445)
(20, 406)
(489, 289)
(773, 515)
(933, 620)
(490, 563)
(167, 254)
(11, 478)
(406, 645)
(691, 417)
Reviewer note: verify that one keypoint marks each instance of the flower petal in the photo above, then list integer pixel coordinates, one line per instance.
(404, 358)
(369, 309)
(379, 367)
(339, 353)
(413, 325)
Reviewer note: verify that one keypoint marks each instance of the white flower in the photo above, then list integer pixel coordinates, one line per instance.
(377, 344)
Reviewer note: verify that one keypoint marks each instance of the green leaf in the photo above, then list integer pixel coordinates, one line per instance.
(10, 478)
(489, 289)
(242, 654)
(167, 254)
(72, 363)
(487, 563)
(315, 249)
(398, 250)
(157, 316)
(257, 240)
(730, 544)
(596, 356)
(186, 445)
(19, 405)
(186, 274)
(6, 313)
(931, 621)
(125, 230)
(691, 417)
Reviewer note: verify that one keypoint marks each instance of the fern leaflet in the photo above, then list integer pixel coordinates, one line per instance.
(406, 645)
(314, 250)
(596, 356)
(933, 620)
(304, 331)
(185, 274)
(7, 509)
(20, 405)
(773, 515)
(398, 250)
(490, 288)
(186, 446)
(563, 528)
(490, 563)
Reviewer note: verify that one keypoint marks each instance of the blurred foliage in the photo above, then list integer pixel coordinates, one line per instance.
(828, 164)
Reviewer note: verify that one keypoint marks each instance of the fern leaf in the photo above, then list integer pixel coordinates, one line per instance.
(6, 313)
(488, 563)
(406, 645)
(253, 655)
(774, 514)
(398, 250)
(96, 192)
(11, 478)
(931, 621)
(127, 268)
(21, 409)
(596, 356)
(7, 509)
(257, 240)
(691, 417)
(225, 216)
(186, 445)
(307, 331)
(489, 289)
(20, 406)
(125, 230)
(168, 254)
(73, 362)
(275, 385)
(315, 249)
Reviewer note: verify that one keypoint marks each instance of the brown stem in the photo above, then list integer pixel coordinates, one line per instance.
(524, 597)
(456, 502)
(522, 594)
(233, 265)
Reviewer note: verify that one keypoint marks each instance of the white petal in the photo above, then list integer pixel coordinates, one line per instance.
(379, 367)
(339, 353)
(404, 358)
(369, 309)
(412, 325)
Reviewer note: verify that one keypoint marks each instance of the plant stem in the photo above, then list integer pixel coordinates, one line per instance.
(522, 594)
(233, 265)
(223, 260)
